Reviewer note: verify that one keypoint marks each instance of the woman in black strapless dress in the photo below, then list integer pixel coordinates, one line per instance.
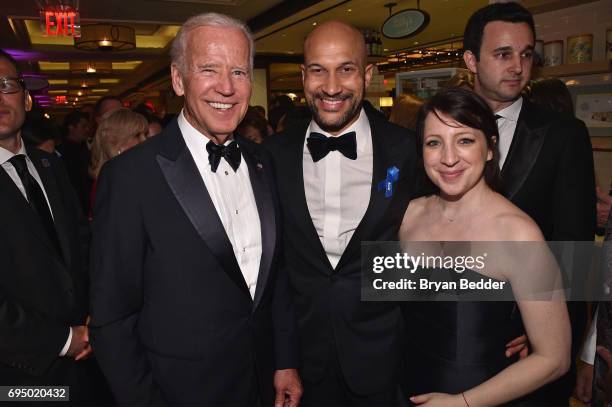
(456, 350)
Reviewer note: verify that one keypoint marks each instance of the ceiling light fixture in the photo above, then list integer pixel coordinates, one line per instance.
(106, 37)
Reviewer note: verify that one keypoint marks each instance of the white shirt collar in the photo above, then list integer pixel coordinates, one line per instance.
(6, 155)
(193, 134)
(512, 112)
(361, 127)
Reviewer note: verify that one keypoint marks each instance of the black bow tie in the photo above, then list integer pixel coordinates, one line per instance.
(231, 153)
(319, 145)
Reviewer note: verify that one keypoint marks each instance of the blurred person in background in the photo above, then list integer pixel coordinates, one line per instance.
(155, 126)
(120, 131)
(405, 111)
(41, 133)
(552, 94)
(76, 155)
(462, 78)
(295, 116)
(101, 109)
(259, 110)
(253, 126)
(278, 109)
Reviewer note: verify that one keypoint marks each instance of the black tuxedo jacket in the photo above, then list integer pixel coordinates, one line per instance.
(367, 335)
(42, 292)
(172, 318)
(549, 174)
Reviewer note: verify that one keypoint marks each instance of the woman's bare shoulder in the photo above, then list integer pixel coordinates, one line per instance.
(515, 225)
(414, 219)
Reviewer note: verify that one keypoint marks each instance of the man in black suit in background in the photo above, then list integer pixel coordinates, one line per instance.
(43, 294)
(328, 172)
(188, 307)
(546, 158)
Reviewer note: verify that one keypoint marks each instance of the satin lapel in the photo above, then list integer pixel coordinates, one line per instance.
(292, 171)
(187, 185)
(48, 177)
(526, 145)
(21, 210)
(265, 208)
(385, 156)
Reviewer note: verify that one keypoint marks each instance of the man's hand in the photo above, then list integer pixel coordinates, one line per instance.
(517, 345)
(288, 388)
(584, 383)
(604, 203)
(79, 344)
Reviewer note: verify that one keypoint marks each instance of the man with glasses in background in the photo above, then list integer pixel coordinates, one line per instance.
(43, 302)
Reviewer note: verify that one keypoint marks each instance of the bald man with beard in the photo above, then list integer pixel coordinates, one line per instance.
(350, 349)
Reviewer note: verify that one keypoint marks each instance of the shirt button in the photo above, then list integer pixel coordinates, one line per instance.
(226, 173)
(236, 211)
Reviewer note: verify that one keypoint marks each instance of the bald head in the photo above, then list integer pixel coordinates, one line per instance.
(339, 34)
(335, 75)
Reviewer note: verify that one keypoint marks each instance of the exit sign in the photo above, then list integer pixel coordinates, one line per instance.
(64, 22)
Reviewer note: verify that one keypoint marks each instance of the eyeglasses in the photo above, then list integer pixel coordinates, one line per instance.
(10, 85)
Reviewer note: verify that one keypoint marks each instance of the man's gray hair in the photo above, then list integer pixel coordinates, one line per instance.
(179, 45)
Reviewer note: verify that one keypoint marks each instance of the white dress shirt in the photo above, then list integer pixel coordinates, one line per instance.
(506, 126)
(5, 156)
(232, 195)
(338, 189)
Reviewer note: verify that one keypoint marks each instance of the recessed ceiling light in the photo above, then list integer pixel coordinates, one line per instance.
(283, 35)
(386, 49)
(315, 23)
(349, 10)
(416, 43)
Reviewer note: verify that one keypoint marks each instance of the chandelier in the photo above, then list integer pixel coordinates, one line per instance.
(91, 67)
(106, 37)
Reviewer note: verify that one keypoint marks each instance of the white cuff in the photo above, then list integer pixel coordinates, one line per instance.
(590, 343)
(67, 345)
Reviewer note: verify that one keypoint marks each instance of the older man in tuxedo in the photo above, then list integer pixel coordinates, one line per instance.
(188, 307)
(43, 295)
(329, 171)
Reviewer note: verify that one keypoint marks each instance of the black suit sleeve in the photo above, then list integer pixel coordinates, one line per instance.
(283, 311)
(116, 290)
(285, 327)
(574, 191)
(28, 340)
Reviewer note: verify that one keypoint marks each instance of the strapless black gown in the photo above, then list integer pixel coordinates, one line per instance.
(454, 346)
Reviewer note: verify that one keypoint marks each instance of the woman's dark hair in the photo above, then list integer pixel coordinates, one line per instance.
(507, 12)
(552, 94)
(465, 107)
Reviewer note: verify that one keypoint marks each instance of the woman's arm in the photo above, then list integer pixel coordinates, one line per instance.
(548, 329)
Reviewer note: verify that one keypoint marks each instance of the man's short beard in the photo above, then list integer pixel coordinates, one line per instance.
(345, 119)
